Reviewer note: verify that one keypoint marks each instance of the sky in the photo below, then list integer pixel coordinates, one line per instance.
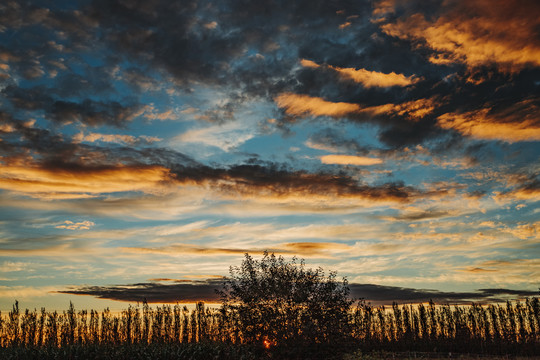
(146, 146)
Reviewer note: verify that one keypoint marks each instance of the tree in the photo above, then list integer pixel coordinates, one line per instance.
(276, 302)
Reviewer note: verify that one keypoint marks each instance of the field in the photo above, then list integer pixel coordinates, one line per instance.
(174, 332)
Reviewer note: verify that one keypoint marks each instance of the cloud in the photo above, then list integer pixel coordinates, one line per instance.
(309, 64)
(300, 105)
(10, 266)
(305, 105)
(515, 123)
(350, 160)
(70, 225)
(86, 111)
(24, 292)
(524, 188)
(248, 180)
(420, 215)
(115, 138)
(525, 267)
(62, 250)
(36, 180)
(312, 249)
(224, 136)
(188, 292)
(211, 25)
(205, 290)
(380, 294)
(367, 78)
(375, 79)
(476, 33)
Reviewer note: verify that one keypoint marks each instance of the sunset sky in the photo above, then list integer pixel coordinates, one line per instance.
(145, 146)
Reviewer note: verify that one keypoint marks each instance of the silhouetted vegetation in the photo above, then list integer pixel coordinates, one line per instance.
(272, 309)
(277, 302)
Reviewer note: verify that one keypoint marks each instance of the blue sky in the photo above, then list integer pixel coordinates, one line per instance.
(145, 146)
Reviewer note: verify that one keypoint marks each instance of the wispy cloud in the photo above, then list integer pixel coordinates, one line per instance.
(305, 105)
(81, 225)
(115, 138)
(224, 136)
(316, 249)
(367, 78)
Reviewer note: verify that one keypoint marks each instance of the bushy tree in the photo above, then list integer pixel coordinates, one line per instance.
(283, 303)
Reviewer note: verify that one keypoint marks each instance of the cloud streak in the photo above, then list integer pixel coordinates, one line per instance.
(350, 160)
(205, 290)
(369, 79)
(81, 182)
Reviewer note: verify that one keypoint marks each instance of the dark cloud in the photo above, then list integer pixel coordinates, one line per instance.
(274, 180)
(52, 150)
(86, 111)
(93, 113)
(155, 292)
(53, 153)
(252, 50)
(334, 140)
(205, 290)
(381, 294)
(422, 215)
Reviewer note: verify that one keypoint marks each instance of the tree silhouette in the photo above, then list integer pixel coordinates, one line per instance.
(282, 303)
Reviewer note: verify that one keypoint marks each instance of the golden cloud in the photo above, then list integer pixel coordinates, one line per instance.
(475, 32)
(295, 104)
(350, 160)
(314, 249)
(522, 193)
(480, 124)
(309, 63)
(301, 105)
(40, 181)
(374, 78)
(367, 78)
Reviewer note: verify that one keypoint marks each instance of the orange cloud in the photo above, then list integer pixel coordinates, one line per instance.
(476, 32)
(301, 105)
(349, 160)
(414, 110)
(510, 126)
(298, 248)
(295, 104)
(309, 64)
(39, 181)
(529, 193)
(211, 25)
(375, 78)
(367, 78)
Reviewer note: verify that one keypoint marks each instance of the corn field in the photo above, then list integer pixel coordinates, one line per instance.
(511, 328)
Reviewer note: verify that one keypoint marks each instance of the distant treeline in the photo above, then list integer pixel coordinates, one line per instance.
(511, 328)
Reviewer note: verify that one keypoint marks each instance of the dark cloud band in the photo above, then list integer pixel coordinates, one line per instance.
(156, 292)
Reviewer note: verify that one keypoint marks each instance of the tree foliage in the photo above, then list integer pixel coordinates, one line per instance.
(280, 302)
